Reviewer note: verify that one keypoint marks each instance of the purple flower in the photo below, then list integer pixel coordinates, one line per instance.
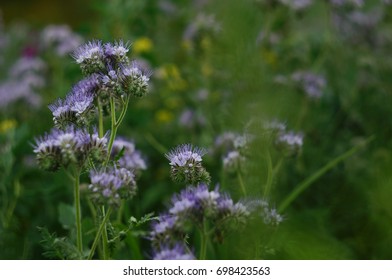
(117, 52)
(185, 155)
(290, 143)
(90, 51)
(27, 65)
(90, 57)
(66, 147)
(60, 38)
(165, 228)
(131, 158)
(272, 217)
(112, 185)
(192, 207)
(185, 161)
(61, 148)
(233, 160)
(77, 107)
(134, 79)
(176, 252)
(262, 208)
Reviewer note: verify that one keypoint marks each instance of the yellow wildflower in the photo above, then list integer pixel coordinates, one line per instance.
(142, 45)
(7, 125)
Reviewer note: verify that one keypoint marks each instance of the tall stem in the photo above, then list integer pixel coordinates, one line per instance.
(203, 241)
(270, 175)
(101, 229)
(241, 181)
(105, 247)
(79, 243)
(113, 129)
(100, 119)
(115, 124)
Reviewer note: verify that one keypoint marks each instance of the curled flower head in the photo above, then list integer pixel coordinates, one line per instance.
(263, 209)
(67, 147)
(176, 252)
(62, 148)
(192, 207)
(90, 57)
(290, 143)
(47, 153)
(78, 106)
(98, 147)
(112, 185)
(185, 161)
(117, 52)
(233, 160)
(134, 79)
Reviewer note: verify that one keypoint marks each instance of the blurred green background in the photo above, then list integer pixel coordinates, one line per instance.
(235, 70)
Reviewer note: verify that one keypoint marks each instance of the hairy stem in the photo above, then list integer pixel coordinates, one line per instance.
(101, 229)
(241, 181)
(78, 211)
(105, 247)
(100, 120)
(113, 130)
(203, 241)
(270, 175)
(307, 182)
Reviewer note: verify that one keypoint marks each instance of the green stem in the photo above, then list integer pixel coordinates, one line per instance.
(123, 112)
(100, 120)
(101, 229)
(305, 184)
(203, 241)
(270, 175)
(105, 247)
(115, 123)
(120, 212)
(155, 143)
(77, 211)
(241, 181)
(113, 130)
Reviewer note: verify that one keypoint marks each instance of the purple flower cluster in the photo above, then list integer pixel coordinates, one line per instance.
(118, 76)
(192, 206)
(90, 57)
(176, 252)
(112, 185)
(25, 77)
(262, 208)
(66, 147)
(186, 167)
(129, 157)
(60, 39)
(288, 142)
(78, 106)
(232, 146)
